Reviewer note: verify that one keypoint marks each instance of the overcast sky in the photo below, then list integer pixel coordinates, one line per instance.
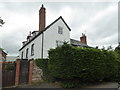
(99, 20)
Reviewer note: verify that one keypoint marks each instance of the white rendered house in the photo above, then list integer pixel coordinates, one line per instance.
(39, 42)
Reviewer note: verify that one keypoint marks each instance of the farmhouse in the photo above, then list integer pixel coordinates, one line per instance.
(39, 42)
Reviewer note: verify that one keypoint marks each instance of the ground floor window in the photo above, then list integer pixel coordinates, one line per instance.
(22, 56)
(32, 50)
(59, 43)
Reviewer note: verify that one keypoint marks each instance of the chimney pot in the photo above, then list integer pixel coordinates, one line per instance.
(42, 6)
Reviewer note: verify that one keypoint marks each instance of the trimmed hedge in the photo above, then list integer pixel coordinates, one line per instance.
(73, 66)
(86, 64)
(43, 64)
(117, 51)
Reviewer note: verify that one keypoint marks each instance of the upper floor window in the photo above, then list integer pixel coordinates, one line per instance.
(32, 50)
(27, 53)
(59, 43)
(60, 30)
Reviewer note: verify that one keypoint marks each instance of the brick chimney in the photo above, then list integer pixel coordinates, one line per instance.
(83, 39)
(42, 18)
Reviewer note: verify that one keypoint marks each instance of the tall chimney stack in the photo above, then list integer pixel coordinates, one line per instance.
(42, 18)
(83, 39)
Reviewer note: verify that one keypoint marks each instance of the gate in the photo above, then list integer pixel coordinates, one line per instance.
(24, 71)
(8, 74)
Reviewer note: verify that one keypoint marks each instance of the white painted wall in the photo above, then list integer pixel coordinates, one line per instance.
(37, 48)
(0, 55)
(50, 37)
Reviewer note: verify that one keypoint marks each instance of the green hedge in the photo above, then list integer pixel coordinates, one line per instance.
(86, 64)
(73, 66)
(117, 51)
(43, 64)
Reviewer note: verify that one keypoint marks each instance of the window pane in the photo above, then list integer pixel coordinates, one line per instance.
(27, 53)
(32, 50)
(22, 56)
(60, 30)
(59, 43)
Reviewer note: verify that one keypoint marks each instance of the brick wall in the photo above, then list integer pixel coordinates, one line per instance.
(35, 74)
(17, 75)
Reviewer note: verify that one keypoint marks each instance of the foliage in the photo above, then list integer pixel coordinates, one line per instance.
(1, 22)
(1, 49)
(87, 64)
(117, 50)
(75, 66)
(43, 64)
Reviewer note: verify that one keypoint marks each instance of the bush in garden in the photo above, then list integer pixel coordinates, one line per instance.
(73, 66)
(87, 64)
(43, 64)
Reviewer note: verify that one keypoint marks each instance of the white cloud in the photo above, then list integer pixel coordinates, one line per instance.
(99, 21)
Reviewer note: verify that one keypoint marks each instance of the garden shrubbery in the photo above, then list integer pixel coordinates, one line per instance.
(73, 66)
(43, 64)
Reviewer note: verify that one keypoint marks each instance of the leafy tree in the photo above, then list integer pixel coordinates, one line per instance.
(1, 22)
(117, 50)
(1, 49)
(109, 48)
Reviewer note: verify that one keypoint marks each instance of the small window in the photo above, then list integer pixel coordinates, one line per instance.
(59, 43)
(22, 56)
(34, 34)
(32, 50)
(27, 53)
(60, 30)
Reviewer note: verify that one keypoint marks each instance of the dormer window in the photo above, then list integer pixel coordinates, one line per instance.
(28, 38)
(34, 34)
(24, 42)
(60, 30)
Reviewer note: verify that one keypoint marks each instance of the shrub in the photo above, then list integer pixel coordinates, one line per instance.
(43, 64)
(75, 66)
(86, 64)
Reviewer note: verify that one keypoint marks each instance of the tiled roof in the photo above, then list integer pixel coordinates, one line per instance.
(78, 43)
(45, 30)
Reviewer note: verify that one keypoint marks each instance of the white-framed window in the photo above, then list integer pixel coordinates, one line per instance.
(59, 43)
(60, 30)
(32, 50)
(27, 52)
(22, 55)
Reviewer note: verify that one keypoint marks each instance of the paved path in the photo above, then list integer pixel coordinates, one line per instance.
(44, 85)
(48, 85)
(104, 85)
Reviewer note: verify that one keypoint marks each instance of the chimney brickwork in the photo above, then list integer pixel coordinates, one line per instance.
(83, 39)
(42, 18)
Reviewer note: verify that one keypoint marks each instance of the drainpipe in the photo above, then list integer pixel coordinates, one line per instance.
(42, 45)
